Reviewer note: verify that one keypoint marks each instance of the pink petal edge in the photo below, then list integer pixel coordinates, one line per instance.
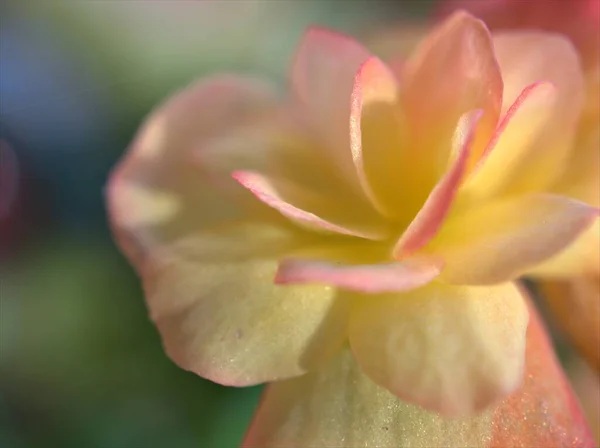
(370, 279)
(260, 187)
(376, 74)
(508, 116)
(431, 216)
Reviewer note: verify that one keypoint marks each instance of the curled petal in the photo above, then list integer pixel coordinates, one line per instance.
(453, 350)
(453, 71)
(376, 135)
(500, 240)
(370, 279)
(431, 216)
(218, 320)
(274, 192)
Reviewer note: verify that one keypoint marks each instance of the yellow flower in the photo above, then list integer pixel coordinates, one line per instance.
(372, 221)
(570, 281)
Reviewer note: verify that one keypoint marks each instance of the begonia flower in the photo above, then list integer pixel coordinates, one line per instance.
(370, 222)
(570, 282)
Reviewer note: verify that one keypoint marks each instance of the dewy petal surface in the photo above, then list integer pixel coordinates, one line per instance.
(230, 323)
(500, 240)
(454, 350)
(338, 405)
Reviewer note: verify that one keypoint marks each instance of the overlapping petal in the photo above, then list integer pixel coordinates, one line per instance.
(451, 349)
(339, 404)
(378, 136)
(533, 148)
(451, 72)
(434, 211)
(322, 80)
(310, 209)
(230, 323)
(159, 193)
(500, 240)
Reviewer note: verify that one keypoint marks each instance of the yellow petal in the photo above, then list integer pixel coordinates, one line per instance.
(378, 137)
(515, 159)
(533, 150)
(453, 350)
(500, 240)
(230, 323)
(575, 306)
(338, 405)
(432, 214)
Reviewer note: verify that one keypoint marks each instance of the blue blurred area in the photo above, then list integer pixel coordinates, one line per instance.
(57, 116)
(81, 365)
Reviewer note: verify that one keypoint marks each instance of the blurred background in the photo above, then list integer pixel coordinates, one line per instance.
(80, 363)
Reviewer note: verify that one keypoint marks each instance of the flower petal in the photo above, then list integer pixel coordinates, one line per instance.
(431, 216)
(544, 411)
(537, 146)
(338, 405)
(580, 258)
(526, 57)
(575, 306)
(340, 219)
(513, 149)
(229, 323)
(453, 350)
(370, 278)
(158, 194)
(376, 137)
(452, 71)
(500, 240)
(322, 79)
